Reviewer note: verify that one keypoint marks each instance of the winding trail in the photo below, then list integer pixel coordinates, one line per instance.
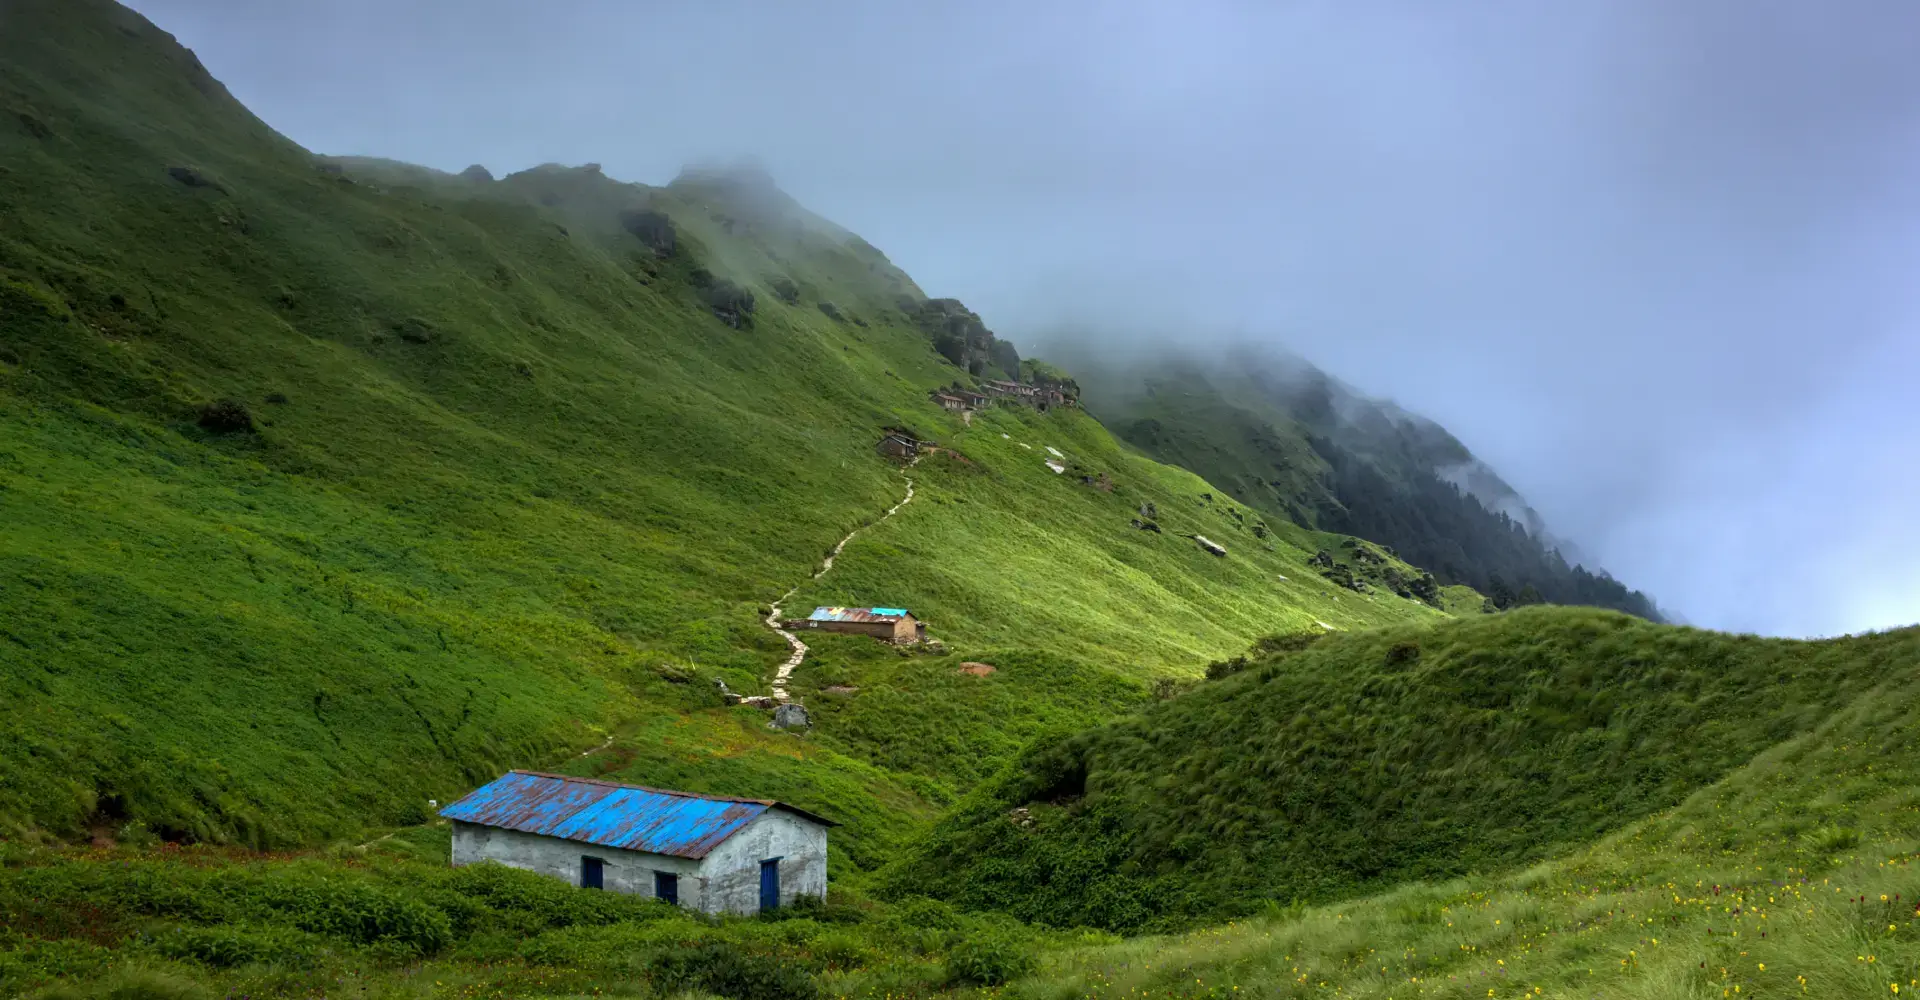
(785, 669)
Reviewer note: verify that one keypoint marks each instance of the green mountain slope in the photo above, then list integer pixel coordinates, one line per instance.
(1368, 760)
(332, 486)
(1283, 437)
(1793, 876)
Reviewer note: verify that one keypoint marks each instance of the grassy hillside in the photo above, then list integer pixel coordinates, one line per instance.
(1791, 877)
(1278, 434)
(333, 485)
(1373, 759)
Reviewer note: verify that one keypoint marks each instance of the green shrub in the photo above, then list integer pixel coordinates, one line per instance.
(723, 968)
(993, 958)
(18, 296)
(226, 416)
(363, 914)
(228, 946)
(530, 903)
(1832, 839)
(840, 950)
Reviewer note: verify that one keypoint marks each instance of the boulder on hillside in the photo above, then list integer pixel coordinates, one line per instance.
(34, 126)
(652, 228)
(730, 302)
(194, 178)
(784, 289)
(226, 416)
(791, 715)
(831, 311)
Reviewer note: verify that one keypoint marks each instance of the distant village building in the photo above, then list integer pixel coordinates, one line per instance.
(895, 625)
(1011, 390)
(974, 400)
(898, 446)
(704, 852)
(1041, 396)
(949, 402)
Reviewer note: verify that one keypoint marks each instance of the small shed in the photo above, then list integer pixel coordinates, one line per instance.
(948, 401)
(705, 852)
(898, 446)
(895, 625)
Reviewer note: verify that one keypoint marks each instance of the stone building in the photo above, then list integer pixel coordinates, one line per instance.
(895, 625)
(897, 446)
(704, 852)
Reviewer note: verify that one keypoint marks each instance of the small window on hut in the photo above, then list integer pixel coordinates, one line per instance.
(666, 887)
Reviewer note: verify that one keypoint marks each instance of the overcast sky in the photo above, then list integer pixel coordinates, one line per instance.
(1655, 260)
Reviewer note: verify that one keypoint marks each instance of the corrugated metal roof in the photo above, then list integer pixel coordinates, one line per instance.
(610, 814)
(858, 614)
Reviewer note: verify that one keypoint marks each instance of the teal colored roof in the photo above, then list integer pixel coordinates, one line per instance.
(857, 614)
(609, 814)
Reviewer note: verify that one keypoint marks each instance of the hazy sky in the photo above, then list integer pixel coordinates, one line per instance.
(1657, 261)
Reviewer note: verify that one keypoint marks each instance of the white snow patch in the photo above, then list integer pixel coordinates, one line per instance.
(1027, 446)
(1324, 625)
(1281, 575)
(1055, 451)
(1056, 466)
(1006, 437)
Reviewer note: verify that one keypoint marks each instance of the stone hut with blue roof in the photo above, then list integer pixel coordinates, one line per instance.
(895, 625)
(704, 852)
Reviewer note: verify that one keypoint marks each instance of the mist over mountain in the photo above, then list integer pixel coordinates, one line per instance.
(1281, 435)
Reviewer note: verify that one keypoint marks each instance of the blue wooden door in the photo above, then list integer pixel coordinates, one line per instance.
(590, 873)
(770, 884)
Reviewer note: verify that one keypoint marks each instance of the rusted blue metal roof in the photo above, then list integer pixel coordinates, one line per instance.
(858, 614)
(609, 814)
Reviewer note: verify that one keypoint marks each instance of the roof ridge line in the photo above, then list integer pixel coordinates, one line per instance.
(645, 788)
(769, 803)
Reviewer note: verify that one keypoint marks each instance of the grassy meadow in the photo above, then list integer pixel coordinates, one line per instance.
(1789, 876)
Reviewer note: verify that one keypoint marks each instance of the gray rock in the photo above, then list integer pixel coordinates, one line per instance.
(792, 715)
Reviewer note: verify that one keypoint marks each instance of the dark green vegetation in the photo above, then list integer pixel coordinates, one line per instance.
(333, 485)
(1284, 438)
(1366, 760)
(265, 927)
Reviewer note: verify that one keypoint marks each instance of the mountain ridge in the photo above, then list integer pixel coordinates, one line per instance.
(1283, 436)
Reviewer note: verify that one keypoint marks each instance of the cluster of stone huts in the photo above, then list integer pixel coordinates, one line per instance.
(1039, 396)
